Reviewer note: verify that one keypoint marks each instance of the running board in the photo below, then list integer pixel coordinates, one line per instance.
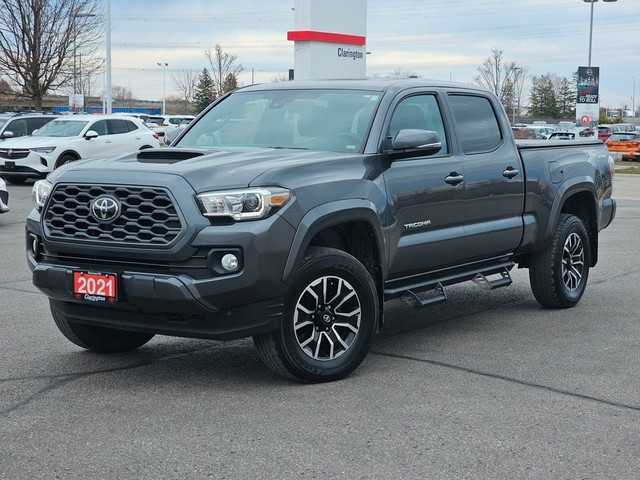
(425, 298)
(503, 281)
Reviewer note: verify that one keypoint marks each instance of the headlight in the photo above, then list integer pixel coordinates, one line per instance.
(43, 149)
(248, 204)
(40, 193)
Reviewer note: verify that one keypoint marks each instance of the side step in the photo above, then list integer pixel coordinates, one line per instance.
(486, 284)
(425, 298)
(421, 295)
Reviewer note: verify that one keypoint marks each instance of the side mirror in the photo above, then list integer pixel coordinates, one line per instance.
(422, 142)
(91, 134)
(7, 134)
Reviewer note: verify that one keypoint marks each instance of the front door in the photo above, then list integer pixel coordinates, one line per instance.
(426, 195)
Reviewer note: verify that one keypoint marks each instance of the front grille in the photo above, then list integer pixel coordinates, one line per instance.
(147, 215)
(13, 154)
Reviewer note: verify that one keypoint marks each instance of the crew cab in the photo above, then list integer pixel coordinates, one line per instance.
(291, 212)
(71, 138)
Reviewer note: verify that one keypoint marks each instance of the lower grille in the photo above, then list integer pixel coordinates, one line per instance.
(147, 216)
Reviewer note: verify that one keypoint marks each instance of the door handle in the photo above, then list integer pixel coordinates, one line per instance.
(454, 178)
(107, 141)
(510, 172)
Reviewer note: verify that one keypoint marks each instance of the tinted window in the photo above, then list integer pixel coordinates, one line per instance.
(477, 123)
(131, 126)
(18, 127)
(100, 127)
(418, 112)
(118, 126)
(36, 123)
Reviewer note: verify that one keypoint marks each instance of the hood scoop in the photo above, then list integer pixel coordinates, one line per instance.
(167, 155)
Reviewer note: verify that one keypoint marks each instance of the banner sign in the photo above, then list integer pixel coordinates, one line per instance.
(588, 80)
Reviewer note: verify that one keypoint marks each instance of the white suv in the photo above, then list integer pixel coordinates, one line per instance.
(71, 138)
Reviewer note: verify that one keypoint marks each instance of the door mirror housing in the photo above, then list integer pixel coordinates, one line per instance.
(7, 134)
(420, 142)
(91, 134)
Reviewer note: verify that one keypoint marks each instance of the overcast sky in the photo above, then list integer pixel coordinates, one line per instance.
(439, 39)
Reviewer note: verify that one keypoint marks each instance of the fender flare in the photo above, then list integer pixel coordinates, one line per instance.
(566, 190)
(328, 215)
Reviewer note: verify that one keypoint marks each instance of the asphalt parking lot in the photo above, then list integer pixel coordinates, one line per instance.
(487, 385)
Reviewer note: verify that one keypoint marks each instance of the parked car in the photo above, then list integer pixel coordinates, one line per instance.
(4, 197)
(291, 211)
(624, 145)
(70, 138)
(605, 131)
(561, 136)
(587, 132)
(171, 135)
(161, 124)
(13, 125)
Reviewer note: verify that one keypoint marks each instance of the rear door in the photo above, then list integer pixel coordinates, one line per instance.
(426, 193)
(493, 177)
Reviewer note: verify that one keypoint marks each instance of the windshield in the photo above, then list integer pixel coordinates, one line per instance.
(61, 128)
(329, 120)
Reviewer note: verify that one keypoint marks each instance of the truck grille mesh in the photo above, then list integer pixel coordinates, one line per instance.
(148, 215)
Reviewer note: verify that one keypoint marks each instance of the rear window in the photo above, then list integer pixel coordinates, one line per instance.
(478, 127)
(622, 137)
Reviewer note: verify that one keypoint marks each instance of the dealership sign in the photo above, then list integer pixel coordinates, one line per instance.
(330, 39)
(588, 81)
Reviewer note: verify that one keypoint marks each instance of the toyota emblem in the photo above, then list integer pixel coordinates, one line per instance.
(105, 209)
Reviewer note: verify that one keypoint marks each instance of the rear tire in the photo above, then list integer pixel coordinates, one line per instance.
(558, 275)
(99, 339)
(330, 319)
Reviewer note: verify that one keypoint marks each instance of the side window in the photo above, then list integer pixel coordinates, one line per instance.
(118, 126)
(477, 124)
(419, 112)
(131, 126)
(100, 127)
(36, 123)
(18, 127)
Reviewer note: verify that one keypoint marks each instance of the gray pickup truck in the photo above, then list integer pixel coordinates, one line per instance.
(291, 212)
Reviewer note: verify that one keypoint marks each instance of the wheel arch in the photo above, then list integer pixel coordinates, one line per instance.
(577, 198)
(352, 226)
(72, 153)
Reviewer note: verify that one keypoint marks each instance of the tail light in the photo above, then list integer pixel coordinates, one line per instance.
(155, 135)
(612, 168)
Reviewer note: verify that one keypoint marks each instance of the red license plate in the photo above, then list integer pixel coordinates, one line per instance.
(95, 287)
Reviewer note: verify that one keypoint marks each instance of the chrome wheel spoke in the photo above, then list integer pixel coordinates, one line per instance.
(572, 262)
(321, 330)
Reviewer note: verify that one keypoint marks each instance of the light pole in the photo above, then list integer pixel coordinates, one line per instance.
(164, 66)
(108, 93)
(633, 98)
(591, 24)
(75, 47)
(515, 87)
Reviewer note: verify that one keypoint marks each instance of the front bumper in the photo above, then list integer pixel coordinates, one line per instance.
(32, 166)
(174, 293)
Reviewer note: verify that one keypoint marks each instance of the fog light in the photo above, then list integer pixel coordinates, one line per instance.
(229, 262)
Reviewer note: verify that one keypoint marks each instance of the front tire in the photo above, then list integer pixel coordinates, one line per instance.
(330, 320)
(558, 275)
(63, 160)
(99, 339)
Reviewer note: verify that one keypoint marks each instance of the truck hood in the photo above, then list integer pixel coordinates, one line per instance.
(203, 169)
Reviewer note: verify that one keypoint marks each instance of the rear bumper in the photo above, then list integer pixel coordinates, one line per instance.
(609, 207)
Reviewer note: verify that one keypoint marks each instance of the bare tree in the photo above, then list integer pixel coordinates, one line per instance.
(186, 81)
(122, 96)
(504, 78)
(222, 64)
(399, 72)
(279, 77)
(38, 39)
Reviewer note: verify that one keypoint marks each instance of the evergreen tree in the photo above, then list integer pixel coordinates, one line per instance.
(544, 102)
(230, 83)
(205, 92)
(567, 98)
